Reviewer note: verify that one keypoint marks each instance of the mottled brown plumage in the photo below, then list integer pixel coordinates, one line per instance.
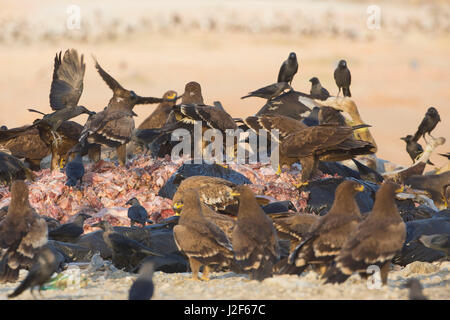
(330, 232)
(22, 234)
(225, 222)
(213, 191)
(255, 241)
(68, 134)
(293, 226)
(375, 241)
(310, 144)
(203, 242)
(210, 116)
(435, 184)
(185, 115)
(284, 125)
(331, 116)
(25, 143)
(114, 125)
(158, 118)
(325, 143)
(289, 104)
(12, 169)
(192, 94)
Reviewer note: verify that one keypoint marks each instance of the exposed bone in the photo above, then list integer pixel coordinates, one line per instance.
(417, 168)
(348, 105)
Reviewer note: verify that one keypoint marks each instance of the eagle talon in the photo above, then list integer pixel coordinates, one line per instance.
(278, 170)
(300, 184)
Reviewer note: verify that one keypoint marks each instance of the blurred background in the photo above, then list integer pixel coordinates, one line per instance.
(397, 51)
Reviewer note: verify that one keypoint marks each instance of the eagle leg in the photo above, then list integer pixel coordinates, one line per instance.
(195, 268)
(205, 274)
(122, 154)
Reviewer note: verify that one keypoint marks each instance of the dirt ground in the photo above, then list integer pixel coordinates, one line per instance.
(114, 285)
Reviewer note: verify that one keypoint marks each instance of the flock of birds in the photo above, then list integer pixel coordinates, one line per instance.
(336, 245)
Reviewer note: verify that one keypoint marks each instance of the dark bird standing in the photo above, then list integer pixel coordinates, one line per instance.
(288, 69)
(71, 231)
(22, 234)
(317, 91)
(137, 213)
(415, 290)
(203, 242)
(126, 253)
(269, 92)
(343, 78)
(75, 171)
(413, 148)
(46, 263)
(375, 241)
(255, 241)
(142, 288)
(114, 126)
(329, 234)
(428, 124)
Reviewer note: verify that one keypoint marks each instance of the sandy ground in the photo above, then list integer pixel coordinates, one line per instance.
(434, 277)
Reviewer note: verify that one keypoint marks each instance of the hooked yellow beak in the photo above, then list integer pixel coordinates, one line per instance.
(171, 96)
(360, 188)
(177, 205)
(401, 189)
